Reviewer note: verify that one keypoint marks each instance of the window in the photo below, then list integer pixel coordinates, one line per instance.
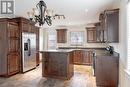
(76, 38)
(128, 37)
(51, 40)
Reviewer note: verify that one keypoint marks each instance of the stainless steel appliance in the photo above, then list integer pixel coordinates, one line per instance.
(28, 51)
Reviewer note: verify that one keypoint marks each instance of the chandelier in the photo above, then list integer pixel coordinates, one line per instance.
(42, 15)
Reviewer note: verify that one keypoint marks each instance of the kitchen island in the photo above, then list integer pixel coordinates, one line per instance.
(57, 64)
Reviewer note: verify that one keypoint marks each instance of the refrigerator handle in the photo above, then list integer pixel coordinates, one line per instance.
(29, 47)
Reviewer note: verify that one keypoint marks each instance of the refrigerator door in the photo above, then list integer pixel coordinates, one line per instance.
(32, 51)
(29, 51)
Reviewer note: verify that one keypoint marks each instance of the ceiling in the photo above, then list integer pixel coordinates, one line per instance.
(77, 12)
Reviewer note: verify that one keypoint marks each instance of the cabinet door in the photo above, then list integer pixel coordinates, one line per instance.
(13, 30)
(13, 54)
(112, 26)
(107, 71)
(91, 36)
(78, 57)
(87, 58)
(13, 45)
(99, 32)
(13, 38)
(61, 35)
(13, 63)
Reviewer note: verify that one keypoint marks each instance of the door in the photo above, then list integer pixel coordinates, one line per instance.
(32, 51)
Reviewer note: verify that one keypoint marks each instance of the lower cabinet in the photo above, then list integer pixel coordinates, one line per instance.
(87, 57)
(83, 57)
(78, 57)
(106, 71)
(58, 65)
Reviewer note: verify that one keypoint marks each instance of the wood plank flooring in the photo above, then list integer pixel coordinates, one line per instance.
(82, 78)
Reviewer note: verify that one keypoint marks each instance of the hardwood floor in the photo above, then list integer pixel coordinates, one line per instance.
(82, 78)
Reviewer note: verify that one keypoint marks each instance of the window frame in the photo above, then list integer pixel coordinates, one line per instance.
(83, 37)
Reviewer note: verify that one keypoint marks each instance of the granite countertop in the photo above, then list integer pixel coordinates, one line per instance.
(81, 48)
(105, 53)
(58, 50)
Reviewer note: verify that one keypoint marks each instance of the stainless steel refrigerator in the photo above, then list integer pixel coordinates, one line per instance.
(28, 51)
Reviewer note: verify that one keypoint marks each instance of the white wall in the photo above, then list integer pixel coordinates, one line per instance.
(121, 47)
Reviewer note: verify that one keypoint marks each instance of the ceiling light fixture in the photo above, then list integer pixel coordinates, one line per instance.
(42, 15)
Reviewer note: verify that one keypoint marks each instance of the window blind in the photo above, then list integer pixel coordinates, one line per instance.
(128, 39)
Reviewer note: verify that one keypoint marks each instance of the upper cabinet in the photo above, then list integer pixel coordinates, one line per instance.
(61, 35)
(95, 34)
(107, 30)
(91, 34)
(110, 24)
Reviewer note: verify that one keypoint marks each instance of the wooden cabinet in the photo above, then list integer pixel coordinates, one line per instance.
(91, 35)
(99, 33)
(110, 24)
(107, 70)
(13, 48)
(61, 35)
(78, 56)
(58, 65)
(95, 34)
(83, 57)
(87, 57)
(107, 30)
(9, 45)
